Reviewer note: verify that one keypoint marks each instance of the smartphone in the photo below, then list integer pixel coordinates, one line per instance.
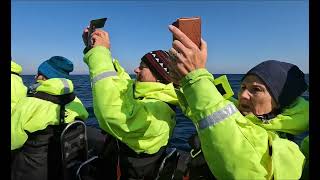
(191, 27)
(94, 24)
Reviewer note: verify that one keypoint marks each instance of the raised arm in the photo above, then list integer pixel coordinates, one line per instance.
(233, 147)
(135, 121)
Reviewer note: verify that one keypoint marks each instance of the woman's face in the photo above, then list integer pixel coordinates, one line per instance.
(144, 74)
(254, 97)
(40, 77)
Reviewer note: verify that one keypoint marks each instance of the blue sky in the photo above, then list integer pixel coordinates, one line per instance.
(239, 34)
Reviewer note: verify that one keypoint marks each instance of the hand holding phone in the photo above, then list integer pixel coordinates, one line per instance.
(191, 51)
(191, 27)
(94, 24)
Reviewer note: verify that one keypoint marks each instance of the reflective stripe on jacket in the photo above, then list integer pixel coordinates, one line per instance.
(233, 146)
(18, 89)
(33, 114)
(137, 113)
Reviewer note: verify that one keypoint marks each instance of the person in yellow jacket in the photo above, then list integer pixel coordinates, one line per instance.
(136, 112)
(233, 145)
(34, 118)
(18, 89)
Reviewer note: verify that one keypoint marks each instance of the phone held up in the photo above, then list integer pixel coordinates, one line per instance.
(94, 24)
(191, 27)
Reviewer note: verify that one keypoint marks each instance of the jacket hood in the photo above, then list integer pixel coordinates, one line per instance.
(16, 68)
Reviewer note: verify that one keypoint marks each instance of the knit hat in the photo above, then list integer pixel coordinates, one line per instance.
(56, 67)
(158, 62)
(284, 81)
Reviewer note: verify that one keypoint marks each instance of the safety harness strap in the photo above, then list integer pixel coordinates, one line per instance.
(15, 73)
(182, 165)
(61, 100)
(57, 99)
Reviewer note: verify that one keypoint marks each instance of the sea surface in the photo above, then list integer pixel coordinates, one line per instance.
(184, 127)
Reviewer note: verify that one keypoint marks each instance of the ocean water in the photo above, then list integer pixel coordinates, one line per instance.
(184, 127)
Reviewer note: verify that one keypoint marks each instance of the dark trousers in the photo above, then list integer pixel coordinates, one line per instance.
(28, 164)
(131, 164)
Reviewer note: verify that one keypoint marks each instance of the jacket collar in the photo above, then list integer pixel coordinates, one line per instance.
(156, 90)
(293, 119)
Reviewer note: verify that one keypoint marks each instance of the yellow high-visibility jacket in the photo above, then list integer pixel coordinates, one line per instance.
(33, 114)
(18, 89)
(233, 146)
(137, 113)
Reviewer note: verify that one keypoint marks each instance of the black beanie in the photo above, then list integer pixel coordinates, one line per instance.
(284, 81)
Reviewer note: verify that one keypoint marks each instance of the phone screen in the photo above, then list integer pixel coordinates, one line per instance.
(98, 23)
(94, 24)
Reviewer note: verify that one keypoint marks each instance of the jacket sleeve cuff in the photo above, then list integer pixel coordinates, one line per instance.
(201, 94)
(85, 50)
(193, 75)
(99, 60)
